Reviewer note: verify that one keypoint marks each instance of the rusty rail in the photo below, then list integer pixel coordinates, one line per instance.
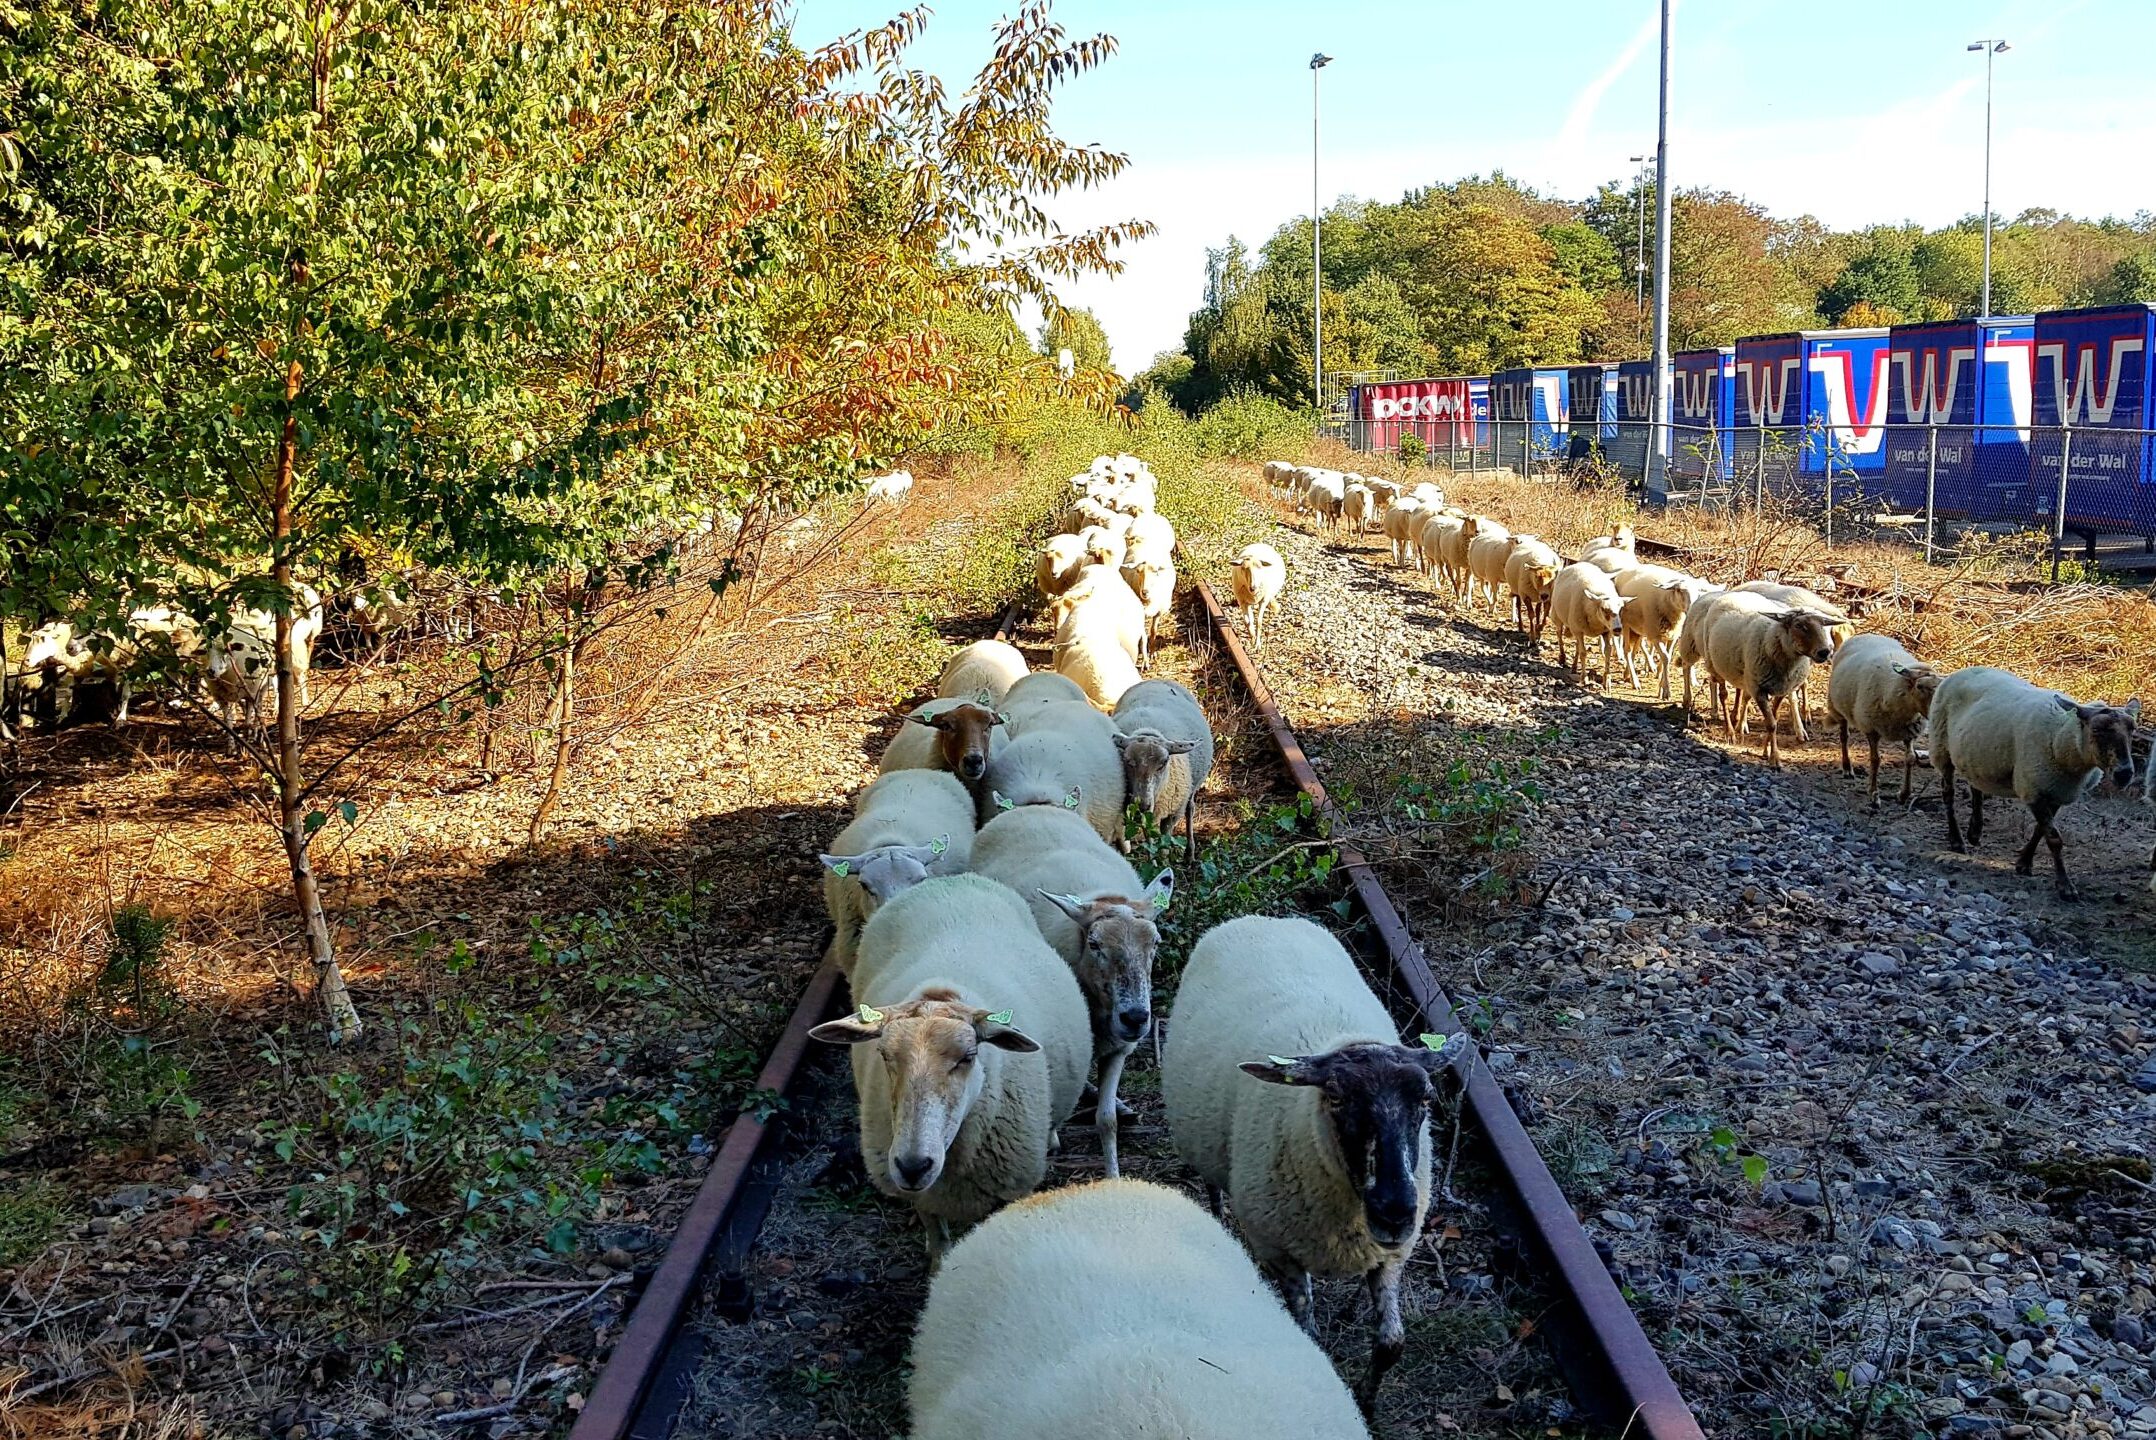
(1612, 1367)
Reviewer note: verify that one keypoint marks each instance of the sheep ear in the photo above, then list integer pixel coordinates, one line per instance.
(2064, 704)
(1181, 747)
(2133, 710)
(862, 1026)
(1278, 1070)
(841, 865)
(1122, 741)
(1070, 905)
(1161, 893)
(933, 722)
(996, 1030)
(1445, 1052)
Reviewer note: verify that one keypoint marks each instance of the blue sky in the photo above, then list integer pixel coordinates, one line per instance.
(1856, 111)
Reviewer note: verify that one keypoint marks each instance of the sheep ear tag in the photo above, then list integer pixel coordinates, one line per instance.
(868, 1015)
(1001, 1017)
(1003, 802)
(842, 869)
(1070, 801)
(940, 844)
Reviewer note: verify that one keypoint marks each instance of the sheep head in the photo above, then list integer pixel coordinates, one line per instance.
(1375, 1100)
(930, 1047)
(1809, 634)
(2107, 736)
(888, 870)
(1117, 939)
(964, 735)
(1147, 756)
(1921, 682)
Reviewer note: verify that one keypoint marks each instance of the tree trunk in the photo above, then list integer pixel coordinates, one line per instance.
(561, 713)
(344, 1022)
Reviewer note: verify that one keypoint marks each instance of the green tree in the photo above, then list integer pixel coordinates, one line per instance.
(1882, 277)
(1080, 332)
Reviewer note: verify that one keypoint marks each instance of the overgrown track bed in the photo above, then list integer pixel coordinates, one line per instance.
(809, 1336)
(1866, 1138)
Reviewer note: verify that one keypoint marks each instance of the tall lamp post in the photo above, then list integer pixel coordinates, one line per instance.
(1317, 272)
(1658, 434)
(1639, 260)
(1990, 49)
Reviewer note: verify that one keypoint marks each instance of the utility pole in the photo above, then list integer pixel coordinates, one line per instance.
(1317, 270)
(1639, 259)
(1658, 437)
(1990, 49)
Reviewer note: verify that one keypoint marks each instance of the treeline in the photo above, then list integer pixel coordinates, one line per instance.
(535, 293)
(1483, 274)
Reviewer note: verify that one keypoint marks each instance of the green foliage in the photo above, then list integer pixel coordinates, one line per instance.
(1882, 277)
(1411, 448)
(31, 1213)
(1080, 332)
(1249, 426)
(129, 1064)
(883, 658)
(1476, 807)
(1277, 862)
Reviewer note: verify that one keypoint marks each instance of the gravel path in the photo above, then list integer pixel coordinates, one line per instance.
(1865, 1138)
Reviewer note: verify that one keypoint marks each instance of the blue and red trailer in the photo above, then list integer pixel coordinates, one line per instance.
(2092, 374)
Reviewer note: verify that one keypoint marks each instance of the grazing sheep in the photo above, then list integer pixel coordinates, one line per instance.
(893, 489)
(1400, 525)
(1100, 600)
(2008, 737)
(1153, 580)
(1429, 493)
(969, 1045)
(1259, 577)
(46, 660)
(1765, 657)
(1327, 1165)
(956, 735)
(1094, 912)
(243, 661)
(1358, 506)
(1530, 570)
(1167, 747)
(990, 665)
(907, 825)
(1279, 474)
(1796, 597)
(1058, 564)
(1585, 605)
(1114, 1309)
(1657, 599)
(1884, 693)
(1041, 687)
(1485, 559)
(1060, 755)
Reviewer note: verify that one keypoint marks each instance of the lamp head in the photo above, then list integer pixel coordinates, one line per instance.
(1320, 60)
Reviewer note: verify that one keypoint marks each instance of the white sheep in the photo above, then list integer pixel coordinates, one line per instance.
(1153, 580)
(1167, 748)
(1452, 543)
(1086, 514)
(2005, 736)
(1882, 692)
(1058, 564)
(1585, 605)
(1259, 577)
(1093, 911)
(1042, 687)
(1327, 1166)
(1101, 600)
(1060, 754)
(1117, 1309)
(1485, 559)
(1103, 547)
(1327, 498)
(1621, 538)
(956, 734)
(907, 825)
(243, 661)
(990, 665)
(45, 663)
(1151, 537)
(969, 1045)
(1657, 598)
(1093, 655)
(1796, 597)
(1530, 570)
(1765, 657)
(1699, 622)
(1358, 506)
(1429, 493)
(893, 489)
(1400, 525)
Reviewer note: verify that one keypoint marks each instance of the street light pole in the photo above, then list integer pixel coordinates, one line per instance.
(1990, 49)
(1317, 272)
(1658, 437)
(1639, 260)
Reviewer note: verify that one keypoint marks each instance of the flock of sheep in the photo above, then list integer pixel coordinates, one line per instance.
(1758, 642)
(998, 947)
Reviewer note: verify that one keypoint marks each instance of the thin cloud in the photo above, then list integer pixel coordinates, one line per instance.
(1580, 119)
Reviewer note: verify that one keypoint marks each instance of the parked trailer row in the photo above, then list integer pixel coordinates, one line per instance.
(1974, 418)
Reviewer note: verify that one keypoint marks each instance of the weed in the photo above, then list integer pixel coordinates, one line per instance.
(1269, 866)
(883, 658)
(31, 1212)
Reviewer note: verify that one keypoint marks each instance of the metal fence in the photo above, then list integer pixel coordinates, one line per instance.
(2068, 482)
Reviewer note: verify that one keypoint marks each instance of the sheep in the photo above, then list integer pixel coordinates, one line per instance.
(1584, 604)
(1137, 496)
(893, 489)
(1657, 599)
(1102, 600)
(969, 1043)
(1765, 656)
(1167, 748)
(959, 735)
(1432, 535)
(2008, 737)
(1094, 912)
(1529, 571)
(1042, 687)
(1057, 565)
(1327, 498)
(1357, 507)
(1452, 543)
(1884, 693)
(1698, 626)
(1151, 537)
(1114, 1309)
(1103, 547)
(907, 825)
(1429, 493)
(1093, 655)
(1060, 755)
(1278, 474)
(1620, 539)
(1259, 577)
(1485, 559)
(1085, 514)
(1400, 524)
(1153, 581)
(1328, 1176)
(1796, 597)
(990, 665)
(243, 660)
(46, 660)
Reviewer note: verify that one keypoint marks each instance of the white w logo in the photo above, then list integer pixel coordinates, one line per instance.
(2090, 400)
(1638, 393)
(1766, 387)
(1926, 401)
(1695, 392)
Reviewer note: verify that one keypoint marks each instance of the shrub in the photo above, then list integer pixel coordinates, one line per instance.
(1249, 426)
(1411, 448)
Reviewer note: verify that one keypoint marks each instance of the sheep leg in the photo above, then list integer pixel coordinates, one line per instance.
(1213, 1202)
(1847, 768)
(1104, 1110)
(1770, 716)
(1871, 794)
(1976, 816)
(1391, 1337)
(1609, 659)
(1294, 1283)
(1908, 772)
(1631, 664)
(1687, 694)
(1946, 788)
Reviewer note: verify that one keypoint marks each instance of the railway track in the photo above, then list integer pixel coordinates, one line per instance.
(1612, 1370)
